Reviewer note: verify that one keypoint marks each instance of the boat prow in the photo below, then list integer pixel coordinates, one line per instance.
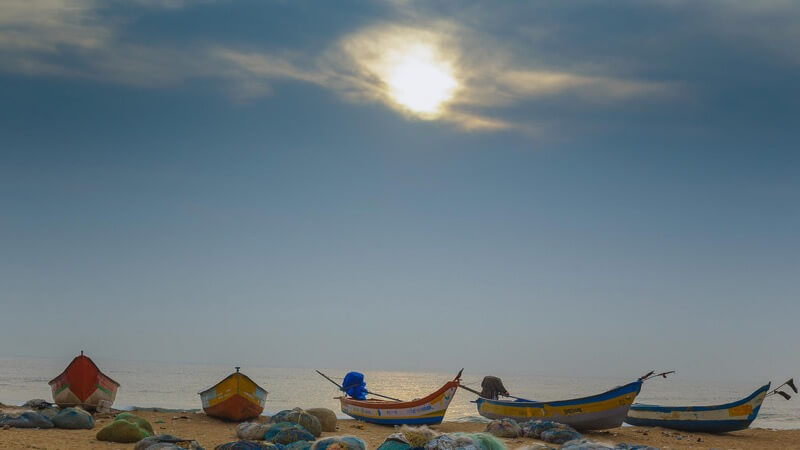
(723, 418)
(83, 384)
(235, 398)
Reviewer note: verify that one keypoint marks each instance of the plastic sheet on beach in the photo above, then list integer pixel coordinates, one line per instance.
(28, 419)
(339, 443)
(73, 419)
(506, 428)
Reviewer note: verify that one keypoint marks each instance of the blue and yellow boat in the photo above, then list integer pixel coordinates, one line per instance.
(596, 412)
(732, 416)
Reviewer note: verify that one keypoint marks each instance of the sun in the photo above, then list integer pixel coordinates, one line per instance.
(419, 81)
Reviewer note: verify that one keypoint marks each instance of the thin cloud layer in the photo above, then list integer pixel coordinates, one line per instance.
(481, 75)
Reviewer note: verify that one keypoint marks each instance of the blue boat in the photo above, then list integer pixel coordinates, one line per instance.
(596, 412)
(732, 416)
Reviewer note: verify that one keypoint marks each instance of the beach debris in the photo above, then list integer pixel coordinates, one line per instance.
(251, 431)
(327, 418)
(505, 428)
(301, 417)
(249, 445)
(28, 419)
(339, 443)
(125, 428)
(166, 442)
(73, 419)
(37, 404)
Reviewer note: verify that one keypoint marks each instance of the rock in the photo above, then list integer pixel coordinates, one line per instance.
(339, 443)
(251, 431)
(28, 419)
(327, 418)
(505, 428)
(166, 442)
(249, 445)
(73, 419)
(121, 430)
(133, 418)
(298, 416)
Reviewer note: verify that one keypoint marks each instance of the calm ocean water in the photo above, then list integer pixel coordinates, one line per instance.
(168, 385)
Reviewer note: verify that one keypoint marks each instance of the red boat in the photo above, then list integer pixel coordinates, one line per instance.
(83, 384)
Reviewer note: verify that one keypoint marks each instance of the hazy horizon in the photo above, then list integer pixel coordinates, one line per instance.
(579, 188)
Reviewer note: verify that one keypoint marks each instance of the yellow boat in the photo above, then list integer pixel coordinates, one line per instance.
(235, 398)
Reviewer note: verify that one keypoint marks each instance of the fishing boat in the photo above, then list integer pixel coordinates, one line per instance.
(83, 384)
(732, 416)
(235, 398)
(596, 412)
(428, 410)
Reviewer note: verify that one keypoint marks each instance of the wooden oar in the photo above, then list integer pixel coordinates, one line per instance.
(370, 393)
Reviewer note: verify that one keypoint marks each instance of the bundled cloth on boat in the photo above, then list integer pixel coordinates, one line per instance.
(354, 386)
(492, 387)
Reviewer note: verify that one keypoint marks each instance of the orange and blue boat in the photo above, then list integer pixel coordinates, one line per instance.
(429, 410)
(235, 398)
(83, 384)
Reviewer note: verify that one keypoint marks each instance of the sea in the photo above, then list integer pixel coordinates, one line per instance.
(176, 386)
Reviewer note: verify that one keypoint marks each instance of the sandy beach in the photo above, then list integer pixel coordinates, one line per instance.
(210, 432)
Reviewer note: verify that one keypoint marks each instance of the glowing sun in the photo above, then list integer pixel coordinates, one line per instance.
(419, 81)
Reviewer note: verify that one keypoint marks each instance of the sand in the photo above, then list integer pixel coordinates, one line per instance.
(210, 432)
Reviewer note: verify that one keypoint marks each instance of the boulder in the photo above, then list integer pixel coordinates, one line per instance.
(166, 442)
(505, 428)
(121, 430)
(28, 419)
(251, 431)
(339, 443)
(327, 418)
(73, 419)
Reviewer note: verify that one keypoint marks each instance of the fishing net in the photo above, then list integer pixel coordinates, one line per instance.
(339, 443)
(559, 436)
(122, 431)
(505, 428)
(27, 419)
(143, 424)
(74, 419)
(291, 434)
(451, 442)
(327, 418)
(299, 445)
(166, 442)
(417, 436)
(535, 428)
(251, 431)
(354, 386)
(492, 387)
(249, 445)
(486, 441)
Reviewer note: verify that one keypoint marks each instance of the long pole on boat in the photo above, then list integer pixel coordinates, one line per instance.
(371, 393)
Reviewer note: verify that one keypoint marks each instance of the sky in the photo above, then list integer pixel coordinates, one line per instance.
(557, 188)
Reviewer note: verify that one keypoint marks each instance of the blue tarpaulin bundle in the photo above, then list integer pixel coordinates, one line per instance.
(354, 385)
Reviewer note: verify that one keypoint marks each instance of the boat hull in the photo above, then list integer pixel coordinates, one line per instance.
(597, 412)
(235, 398)
(83, 384)
(732, 416)
(425, 411)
